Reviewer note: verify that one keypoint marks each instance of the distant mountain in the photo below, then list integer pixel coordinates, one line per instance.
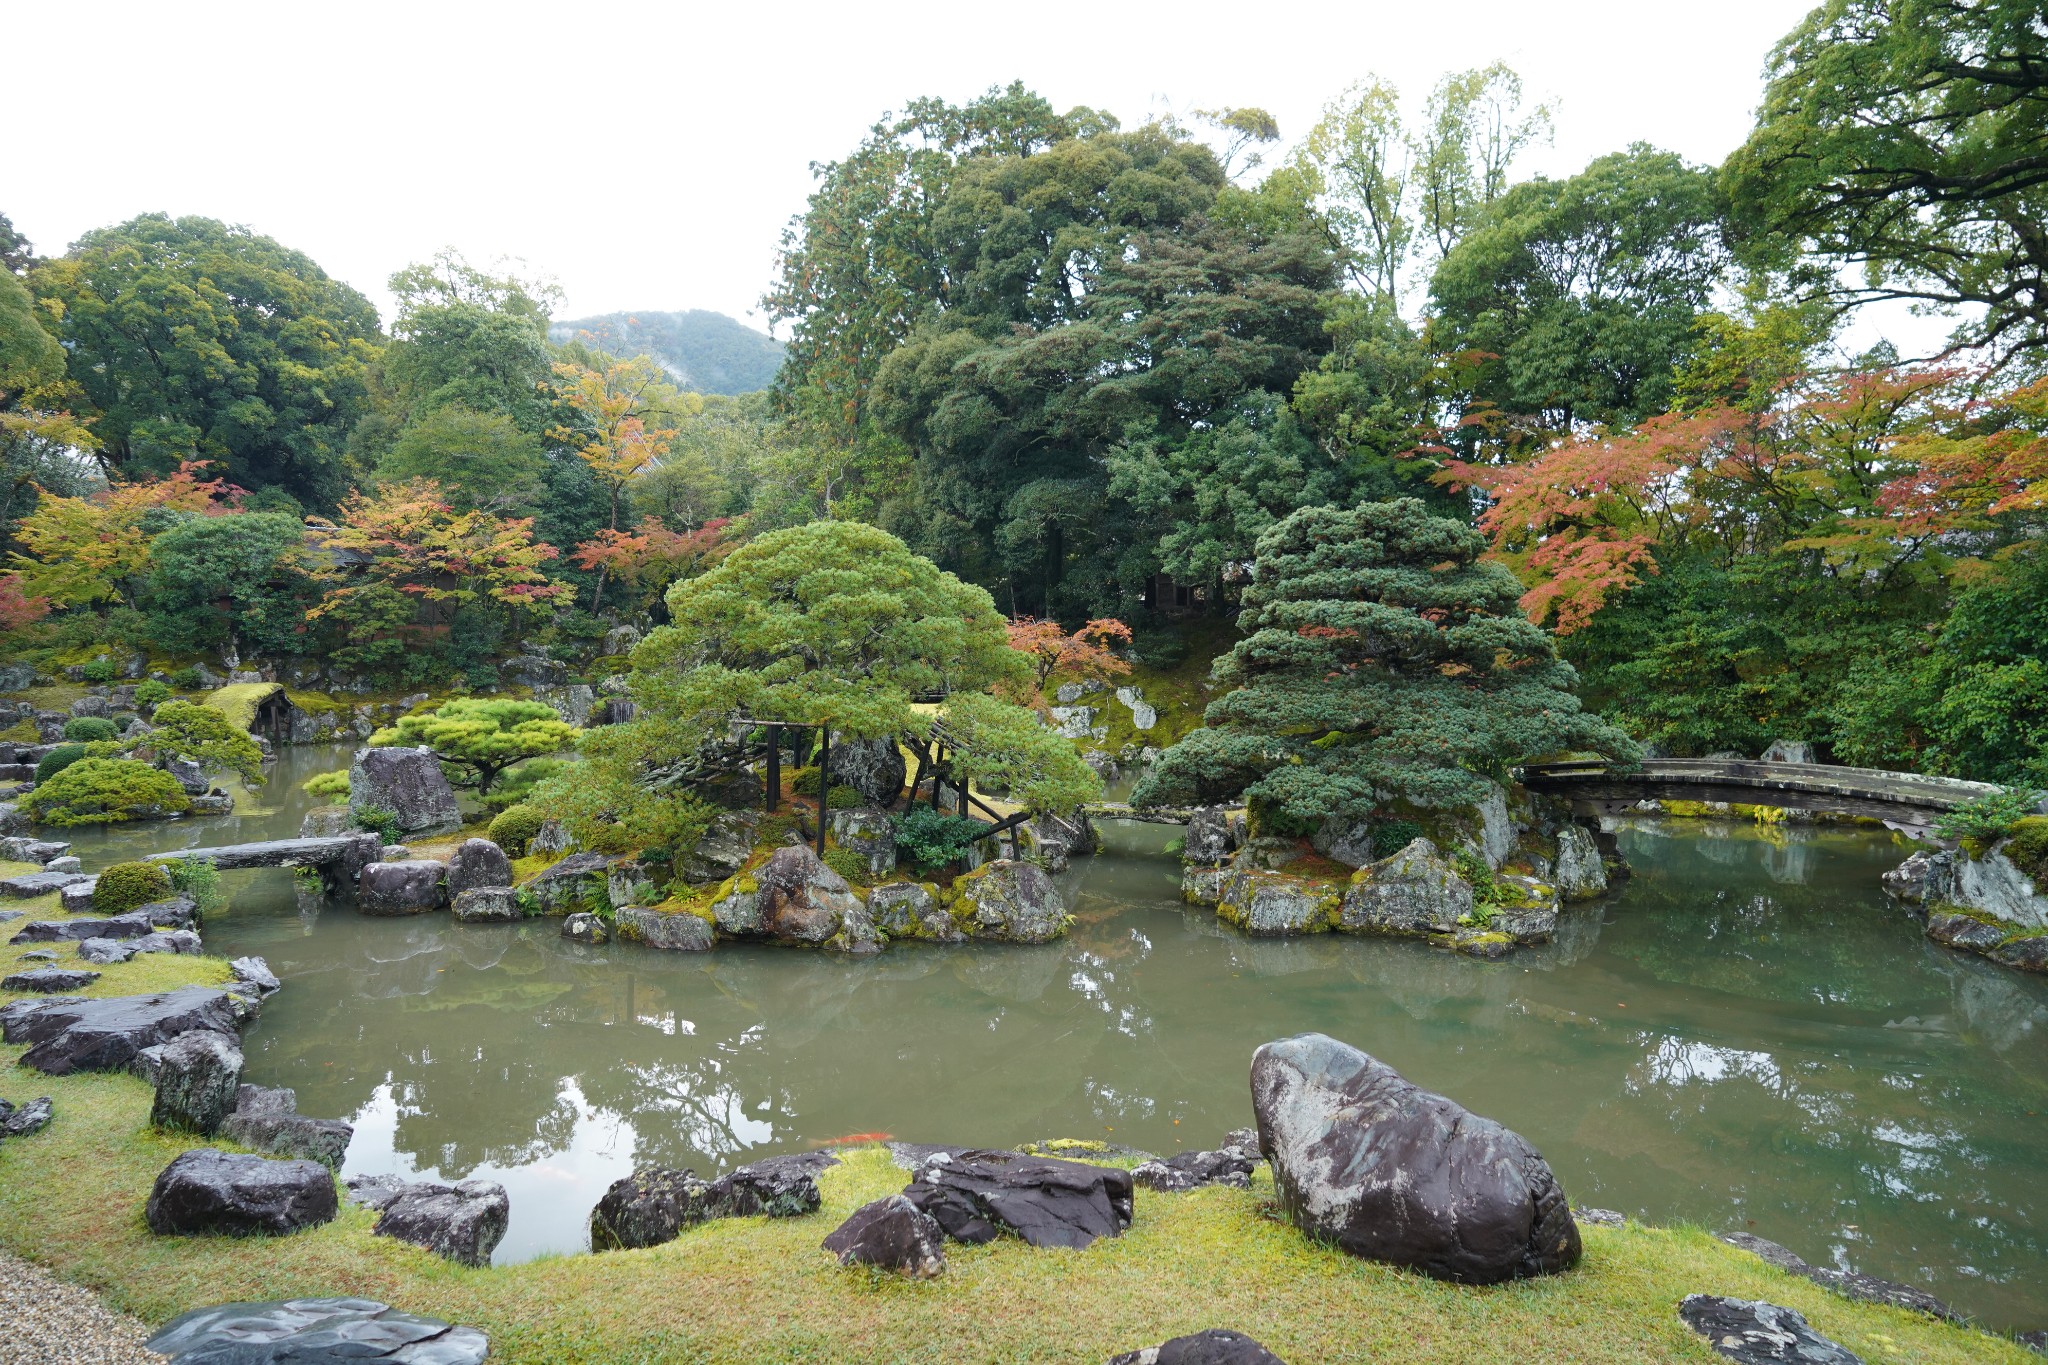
(703, 352)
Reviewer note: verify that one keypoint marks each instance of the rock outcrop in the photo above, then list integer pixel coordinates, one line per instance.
(1414, 891)
(912, 910)
(409, 784)
(672, 931)
(1010, 901)
(891, 1234)
(872, 767)
(1213, 1347)
(1365, 1159)
(463, 1222)
(1275, 905)
(214, 1191)
(801, 899)
(1751, 1332)
(576, 882)
(977, 1196)
(1191, 1170)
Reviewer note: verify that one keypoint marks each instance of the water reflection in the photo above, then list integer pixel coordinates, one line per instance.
(1746, 1036)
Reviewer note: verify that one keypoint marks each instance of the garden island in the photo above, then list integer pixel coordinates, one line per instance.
(1236, 750)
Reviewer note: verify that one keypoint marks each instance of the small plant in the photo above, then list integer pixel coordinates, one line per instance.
(528, 902)
(151, 693)
(1391, 836)
(122, 724)
(333, 786)
(377, 820)
(98, 671)
(804, 781)
(930, 838)
(199, 879)
(844, 798)
(124, 886)
(513, 828)
(187, 679)
(89, 729)
(848, 864)
(1485, 894)
(98, 791)
(57, 760)
(309, 879)
(1988, 818)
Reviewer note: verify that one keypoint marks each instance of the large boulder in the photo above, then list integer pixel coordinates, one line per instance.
(723, 849)
(577, 881)
(891, 1234)
(1010, 901)
(675, 931)
(1414, 891)
(1273, 904)
(477, 862)
(106, 1035)
(868, 834)
(196, 1076)
(977, 1196)
(411, 887)
(872, 767)
(407, 782)
(214, 1191)
(1386, 1170)
(463, 1222)
(1751, 1332)
(802, 900)
(1213, 1347)
(912, 910)
(301, 1331)
(269, 1120)
(486, 905)
(1579, 873)
(653, 1206)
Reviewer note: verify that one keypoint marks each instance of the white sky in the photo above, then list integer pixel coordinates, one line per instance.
(648, 156)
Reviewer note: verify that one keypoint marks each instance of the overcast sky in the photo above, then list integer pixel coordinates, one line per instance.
(648, 156)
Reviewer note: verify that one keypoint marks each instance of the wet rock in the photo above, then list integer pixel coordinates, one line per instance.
(477, 862)
(412, 887)
(1213, 1347)
(872, 767)
(104, 952)
(106, 1035)
(487, 905)
(868, 834)
(1189, 1170)
(28, 1120)
(196, 1075)
(977, 1196)
(394, 853)
(343, 855)
(1414, 891)
(1056, 840)
(325, 822)
(302, 1331)
(575, 882)
(2029, 953)
(210, 1191)
(31, 884)
(1273, 904)
(40, 955)
(1202, 885)
(1751, 1332)
(182, 941)
(650, 1207)
(1011, 902)
(75, 899)
(723, 849)
(672, 931)
(15, 1013)
(463, 1222)
(802, 900)
(1578, 871)
(409, 784)
(911, 910)
(49, 980)
(631, 882)
(1925, 876)
(585, 927)
(1599, 1218)
(134, 924)
(1386, 1170)
(1954, 929)
(269, 1120)
(891, 1234)
(1484, 944)
(1867, 1288)
(255, 972)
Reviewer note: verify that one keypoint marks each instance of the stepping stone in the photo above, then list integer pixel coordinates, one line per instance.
(106, 1035)
(39, 883)
(49, 980)
(977, 1196)
(1751, 1332)
(316, 1329)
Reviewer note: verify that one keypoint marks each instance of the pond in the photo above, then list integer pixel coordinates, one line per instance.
(1747, 1036)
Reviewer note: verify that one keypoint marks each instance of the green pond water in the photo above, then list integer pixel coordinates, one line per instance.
(1747, 1036)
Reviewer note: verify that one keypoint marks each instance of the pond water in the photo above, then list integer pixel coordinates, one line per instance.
(1747, 1036)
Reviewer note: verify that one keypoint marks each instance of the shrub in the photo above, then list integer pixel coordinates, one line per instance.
(332, 785)
(1391, 836)
(848, 864)
(844, 798)
(86, 729)
(194, 730)
(57, 760)
(931, 838)
(151, 693)
(199, 879)
(97, 791)
(98, 671)
(804, 781)
(1988, 817)
(377, 820)
(124, 886)
(514, 827)
(122, 724)
(187, 679)
(2028, 848)
(516, 784)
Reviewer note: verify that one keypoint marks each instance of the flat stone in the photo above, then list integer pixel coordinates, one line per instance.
(254, 971)
(174, 941)
(1213, 1347)
(672, 931)
(1752, 1332)
(2029, 953)
(196, 1075)
(1955, 930)
(269, 1121)
(102, 952)
(49, 980)
(76, 899)
(15, 1013)
(463, 1222)
(1189, 1170)
(486, 905)
(1850, 1285)
(29, 1119)
(106, 1035)
(211, 1191)
(347, 853)
(977, 1196)
(302, 1331)
(31, 884)
(891, 1234)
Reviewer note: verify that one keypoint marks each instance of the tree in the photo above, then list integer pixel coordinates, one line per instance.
(1086, 653)
(43, 448)
(1385, 661)
(1904, 137)
(612, 405)
(190, 339)
(1358, 157)
(233, 581)
(470, 339)
(651, 556)
(204, 735)
(413, 541)
(1469, 141)
(477, 738)
(85, 551)
(482, 460)
(100, 791)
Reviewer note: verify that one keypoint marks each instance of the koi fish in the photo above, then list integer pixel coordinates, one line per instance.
(851, 1140)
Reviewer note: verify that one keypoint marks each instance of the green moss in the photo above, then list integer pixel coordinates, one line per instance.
(318, 703)
(2027, 848)
(238, 701)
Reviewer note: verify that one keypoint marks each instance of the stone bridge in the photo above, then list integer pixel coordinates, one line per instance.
(339, 857)
(1908, 802)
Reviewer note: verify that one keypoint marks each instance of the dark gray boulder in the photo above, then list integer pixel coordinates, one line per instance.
(255, 973)
(1847, 1283)
(1213, 1347)
(891, 1234)
(1414, 891)
(1954, 929)
(1210, 837)
(477, 862)
(463, 1222)
(486, 905)
(723, 849)
(1190, 1170)
(312, 1331)
(29, 1119)
(872, 767)
(104, 952)
(653, 1206)
(977, 1196)
(15, 1013)
(31, 884)
(182, 941)
(196, 1075)
(910, 910)
(408, 783)
(269, 1121)
(671, 931)
(2028, 952)
(1386, 1170)
(412, 887)
(1752, 1332)
(211, 1191)
(49, 980)
(106, 1035)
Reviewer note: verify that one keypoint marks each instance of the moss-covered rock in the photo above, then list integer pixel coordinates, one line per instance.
(1414, 891)
(1009, 901)
(1274, 904)
(913, 910)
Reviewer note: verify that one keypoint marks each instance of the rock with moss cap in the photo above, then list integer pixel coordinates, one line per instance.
(1276, 905)
(912, 910)
(1414, 891)
(1009, 901)
(675, 931)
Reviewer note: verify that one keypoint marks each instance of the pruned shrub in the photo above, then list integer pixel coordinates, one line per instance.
(57, 760)
(844, 798)
(187, 679)
(1988, 817)
(98, 671)
(199, 879)
(804, 781)
(332, 784)
(124, 886)
(87, 729)
(151, 693)
(930, 838)
(98, 791)
(513, 828)
(1391, 836)
(848, 864)
(377, 820)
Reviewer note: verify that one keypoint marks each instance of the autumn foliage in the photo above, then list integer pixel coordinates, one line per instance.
(1089, 652)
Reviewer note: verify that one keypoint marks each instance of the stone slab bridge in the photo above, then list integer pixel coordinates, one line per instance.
(339, 857)
(1908, 802)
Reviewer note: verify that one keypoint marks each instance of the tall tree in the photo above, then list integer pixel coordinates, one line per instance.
(613, 403)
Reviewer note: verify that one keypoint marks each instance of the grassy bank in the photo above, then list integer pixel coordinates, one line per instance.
(761, 1290)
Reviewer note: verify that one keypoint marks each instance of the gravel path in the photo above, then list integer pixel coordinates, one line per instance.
(44, 1321)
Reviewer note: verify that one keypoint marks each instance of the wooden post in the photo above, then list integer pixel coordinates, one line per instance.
(924, 754)
(938, 773)
(774, 794)
(824, 782)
